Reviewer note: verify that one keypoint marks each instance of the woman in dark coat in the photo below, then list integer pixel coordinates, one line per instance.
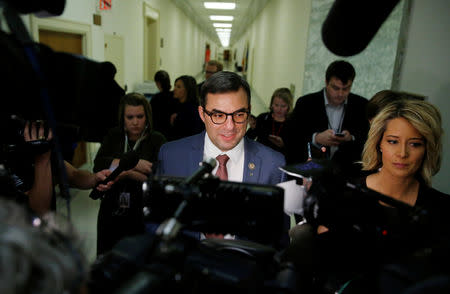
(186, 121)
(120, 212)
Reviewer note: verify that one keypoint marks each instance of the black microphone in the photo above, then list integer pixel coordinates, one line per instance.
(205, 167)
(351, 24)
(128, 161)
(54, 7)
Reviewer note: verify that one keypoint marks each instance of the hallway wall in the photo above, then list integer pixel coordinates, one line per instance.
(426, 68)
(286, 47)
(374, 66)
(277, 41)
(184, 42)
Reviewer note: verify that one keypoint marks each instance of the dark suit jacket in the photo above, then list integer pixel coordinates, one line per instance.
(181, 158)
(309, 116)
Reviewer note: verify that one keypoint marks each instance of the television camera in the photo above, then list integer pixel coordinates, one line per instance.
(76, 97)
(172, 256)
(374, 240)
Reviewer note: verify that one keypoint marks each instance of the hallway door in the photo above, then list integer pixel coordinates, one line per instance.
(114, 53)
(151, 42)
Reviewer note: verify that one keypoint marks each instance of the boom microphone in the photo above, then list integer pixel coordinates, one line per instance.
(128, 161)
(205, 167)
(53, 7)
(351, 24)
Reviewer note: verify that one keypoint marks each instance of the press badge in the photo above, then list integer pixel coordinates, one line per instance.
(124, 200)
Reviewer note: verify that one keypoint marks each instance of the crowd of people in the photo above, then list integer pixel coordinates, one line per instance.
(391, 144)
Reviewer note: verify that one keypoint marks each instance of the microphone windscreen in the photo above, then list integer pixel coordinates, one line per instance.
(211, 164)
(53, 7)
(351, 24)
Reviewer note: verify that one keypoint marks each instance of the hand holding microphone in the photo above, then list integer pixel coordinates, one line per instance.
(128, 161)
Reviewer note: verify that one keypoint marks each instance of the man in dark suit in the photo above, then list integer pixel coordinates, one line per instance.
(332, 121)
(211, 68)
(224, 109)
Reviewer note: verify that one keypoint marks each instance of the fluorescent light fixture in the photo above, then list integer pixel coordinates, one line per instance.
(224, 34)
(222, 25)
(221, 17)
(220, 5)
(223, 30)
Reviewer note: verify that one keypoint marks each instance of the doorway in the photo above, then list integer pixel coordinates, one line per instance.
(114, 52)
(152, 42)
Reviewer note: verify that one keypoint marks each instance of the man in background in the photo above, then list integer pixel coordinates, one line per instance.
(332, 121)
(211, 68)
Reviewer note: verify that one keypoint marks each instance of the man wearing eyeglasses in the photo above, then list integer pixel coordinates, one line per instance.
(211, 68)
(224, 109)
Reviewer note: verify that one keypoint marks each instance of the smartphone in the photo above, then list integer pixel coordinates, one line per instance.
(339, 134)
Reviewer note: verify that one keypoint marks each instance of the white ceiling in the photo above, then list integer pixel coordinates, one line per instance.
(246, 11)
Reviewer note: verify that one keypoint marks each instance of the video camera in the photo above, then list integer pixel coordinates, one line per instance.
(172, 257)
(76, 97)
(372, 239)
(343, 203)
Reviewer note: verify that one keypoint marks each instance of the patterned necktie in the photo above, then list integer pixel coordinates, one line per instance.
(222, 172)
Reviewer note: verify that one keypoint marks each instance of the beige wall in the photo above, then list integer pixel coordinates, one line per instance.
(426, 68)
(277, 40)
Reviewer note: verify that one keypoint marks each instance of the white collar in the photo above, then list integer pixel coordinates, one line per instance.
(212, 151)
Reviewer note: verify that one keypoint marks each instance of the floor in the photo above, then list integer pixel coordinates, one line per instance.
(83, 210)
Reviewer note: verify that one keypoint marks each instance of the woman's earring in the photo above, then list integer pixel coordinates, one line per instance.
(381, 150)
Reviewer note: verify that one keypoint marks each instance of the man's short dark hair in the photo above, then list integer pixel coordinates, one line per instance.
(224, 82)
(341, 70)
(163, 78)
(217, 64)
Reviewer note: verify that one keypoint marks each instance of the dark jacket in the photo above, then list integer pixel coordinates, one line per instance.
(310, 116)
(114, 222)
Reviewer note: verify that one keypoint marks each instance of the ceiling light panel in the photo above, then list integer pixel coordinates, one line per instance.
(223, 30)
(220, 5)
(222, 25)
(221, 17)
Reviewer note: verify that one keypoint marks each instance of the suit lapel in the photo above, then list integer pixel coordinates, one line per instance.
(252, 162)
(196, 154)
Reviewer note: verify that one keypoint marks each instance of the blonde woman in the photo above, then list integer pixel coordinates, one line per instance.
(270, 127)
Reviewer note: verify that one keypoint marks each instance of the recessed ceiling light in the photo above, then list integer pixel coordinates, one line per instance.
(220, 5)
(221, 17)
(222, 25)
(223, 30)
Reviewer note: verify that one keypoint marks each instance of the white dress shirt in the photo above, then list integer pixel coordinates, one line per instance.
(235, 165)
(335, 116)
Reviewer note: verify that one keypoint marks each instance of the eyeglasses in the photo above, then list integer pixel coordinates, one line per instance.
(218, 117)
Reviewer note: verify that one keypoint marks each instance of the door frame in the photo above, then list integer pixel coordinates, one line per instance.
(153, 14)
(65, 26)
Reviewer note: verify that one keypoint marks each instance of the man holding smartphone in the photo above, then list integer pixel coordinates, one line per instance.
(332, 119)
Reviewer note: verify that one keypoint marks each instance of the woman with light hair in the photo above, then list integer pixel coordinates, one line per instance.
(269, 128)
(404, 149)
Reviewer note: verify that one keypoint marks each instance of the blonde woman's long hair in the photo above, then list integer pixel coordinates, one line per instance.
(423, 116)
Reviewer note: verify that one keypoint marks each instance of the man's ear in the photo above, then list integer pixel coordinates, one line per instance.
(201, 114)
